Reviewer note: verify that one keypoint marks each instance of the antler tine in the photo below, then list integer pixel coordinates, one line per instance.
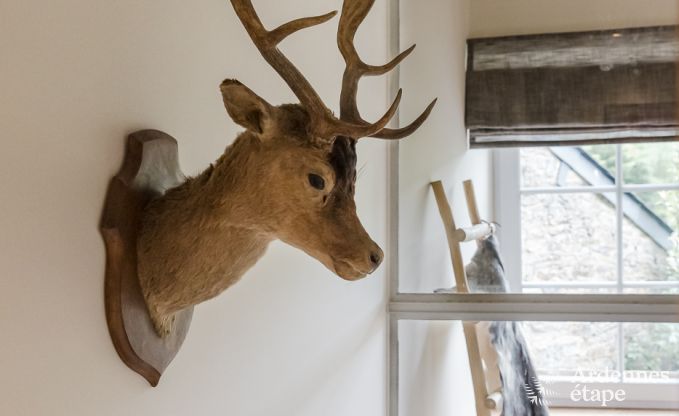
(356, 130)
(394, 134)
(266, 42)
(287, 29)
(353, 14)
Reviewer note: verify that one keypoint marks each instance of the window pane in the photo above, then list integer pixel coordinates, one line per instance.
(568, 237)
(603, 155)
(563, 348)
(664, 204)
(567, 166)
(651, 241)
(540, 168)
(651, 351)
(651, 163)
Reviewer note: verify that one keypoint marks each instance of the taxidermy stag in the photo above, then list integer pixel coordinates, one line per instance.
(290, 176)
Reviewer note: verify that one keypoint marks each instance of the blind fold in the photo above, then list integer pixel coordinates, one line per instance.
(609, 86)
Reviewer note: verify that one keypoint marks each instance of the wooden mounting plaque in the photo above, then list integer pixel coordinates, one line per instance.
(150, 167)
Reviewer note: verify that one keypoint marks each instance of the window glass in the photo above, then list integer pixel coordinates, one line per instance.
(651, 351)
(603, 155)
(583, 242)
(651, 163)
(562, 167)
(562, 349)
(651, 241)
(568, 237)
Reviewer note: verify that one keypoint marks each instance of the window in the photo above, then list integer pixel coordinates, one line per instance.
(593, 219)
(598, 219)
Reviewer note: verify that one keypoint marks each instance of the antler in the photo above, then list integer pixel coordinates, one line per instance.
(323, 123)
(353, 14)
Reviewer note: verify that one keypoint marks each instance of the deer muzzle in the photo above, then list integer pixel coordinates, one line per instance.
(359, 264)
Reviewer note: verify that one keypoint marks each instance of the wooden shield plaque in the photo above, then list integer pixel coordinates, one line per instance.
(150, 167)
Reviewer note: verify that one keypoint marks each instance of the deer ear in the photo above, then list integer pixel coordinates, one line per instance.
(245, 107)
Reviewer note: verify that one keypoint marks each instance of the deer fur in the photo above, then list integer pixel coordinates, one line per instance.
(202, 236)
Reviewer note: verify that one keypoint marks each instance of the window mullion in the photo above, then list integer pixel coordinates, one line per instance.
(619, 215)
(649, 187)
(567, 190)
(619, 218)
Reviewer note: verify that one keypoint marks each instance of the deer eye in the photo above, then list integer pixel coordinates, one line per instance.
(316, 181)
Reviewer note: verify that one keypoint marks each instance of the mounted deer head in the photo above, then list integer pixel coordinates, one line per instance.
(290, 176)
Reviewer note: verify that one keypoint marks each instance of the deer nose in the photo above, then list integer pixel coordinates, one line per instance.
(375, 259)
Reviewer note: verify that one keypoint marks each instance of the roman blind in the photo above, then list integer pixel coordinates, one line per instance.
(609, 86)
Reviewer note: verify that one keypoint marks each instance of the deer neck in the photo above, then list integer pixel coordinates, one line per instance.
(200, 237)
(225, 196)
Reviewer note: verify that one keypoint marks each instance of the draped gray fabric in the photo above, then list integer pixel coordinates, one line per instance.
(611, 86)
(522, 392)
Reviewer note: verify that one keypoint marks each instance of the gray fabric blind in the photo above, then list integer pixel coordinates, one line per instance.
(611, 86)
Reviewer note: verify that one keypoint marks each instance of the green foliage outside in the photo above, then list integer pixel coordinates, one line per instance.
(652, 347)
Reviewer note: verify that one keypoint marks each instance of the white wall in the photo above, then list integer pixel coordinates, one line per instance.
(438, 151)
(76, 77)
(434, 370)
(515, 17)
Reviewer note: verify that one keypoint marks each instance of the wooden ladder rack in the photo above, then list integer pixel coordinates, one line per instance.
(483, 360)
